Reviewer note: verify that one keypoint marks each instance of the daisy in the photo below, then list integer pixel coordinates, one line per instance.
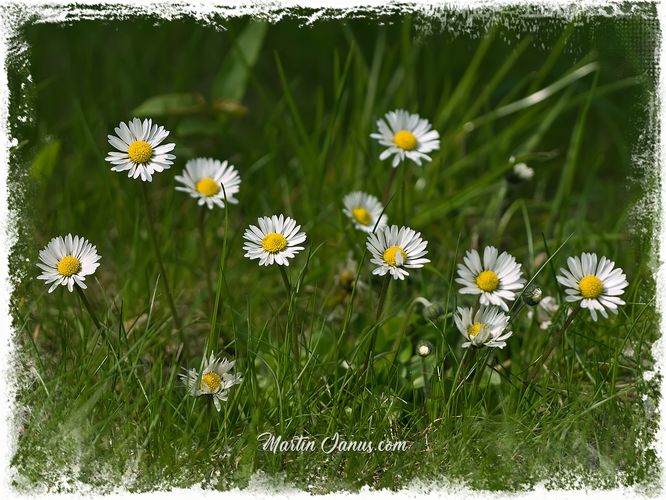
(597, 285)
(345, 282)
(67, 261)
(496, 279)
(204, 178)
(545, 312)
(365, 211)
(139, 150)
(276, 240)
(216, 379)
(486, 327)
(406, 135)
(347, 272)
(394, 250)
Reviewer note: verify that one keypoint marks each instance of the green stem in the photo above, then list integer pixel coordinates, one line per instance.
(89, 308)
(289, 334)
(285, 280)
(389, 184)
(426, 389)
(367, 365)
(213, 335)
(479, 370)
(462, 368)
(206, 256)
(405, 324)
(158, 256)
(553, 344)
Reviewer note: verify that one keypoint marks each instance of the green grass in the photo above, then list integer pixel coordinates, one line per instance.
(293, 108)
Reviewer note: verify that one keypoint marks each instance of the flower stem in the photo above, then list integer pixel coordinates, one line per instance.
(89, 308)
(285, 280)
(426, 388)
(389, 184)
(553, 344)
(206, 256)
(160, 263)
(290, 336)
(213, 335)
(367, 365)
(463, 368)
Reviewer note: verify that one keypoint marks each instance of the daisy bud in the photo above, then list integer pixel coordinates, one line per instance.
(532, 296)
(433, 312)
(424, 348)
(520, 173)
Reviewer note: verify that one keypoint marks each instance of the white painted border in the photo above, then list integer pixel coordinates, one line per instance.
(56, 11)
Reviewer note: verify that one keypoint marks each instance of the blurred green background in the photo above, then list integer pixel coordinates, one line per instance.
(292, 108)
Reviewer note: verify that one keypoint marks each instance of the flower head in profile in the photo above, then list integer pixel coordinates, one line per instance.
(496, 279)
(216, 380)
(276, 240)
(406, 135)
(67, 261)
(545, 312)
(487, 327)
(396, 250)
(597, 284)
(347, 282)
(347, 274)
(365, 211)
(140, 151)
(209, 181)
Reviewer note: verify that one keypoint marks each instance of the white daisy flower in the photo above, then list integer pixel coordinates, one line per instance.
(546, 312)
(67, 261)
(365, 210)
(597, 285)
(204, 178)
(496, 279)
(216, 379)
(276, 240)
(486, 327)
(406, 135)
(347, 272)
(395, 250)
(139, 151)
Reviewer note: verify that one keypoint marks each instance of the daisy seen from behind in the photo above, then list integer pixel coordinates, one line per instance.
(67, 261)
(210, 182)
(274, 240)
(496, 279)
(216, 380)
(405, 135)
(596, 283)
(365, 211)
(487, 327)
(396, 250)
(140, 151)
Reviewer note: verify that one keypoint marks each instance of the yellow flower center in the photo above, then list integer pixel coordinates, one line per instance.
(590, 286)
(69, 265)
(474, 329)
(347, 280)
(274, 243)
(211, 381)
(487, 281)
(140, 152)
(362, 216)
(207, 187)
(404, 139)
(390, 254)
